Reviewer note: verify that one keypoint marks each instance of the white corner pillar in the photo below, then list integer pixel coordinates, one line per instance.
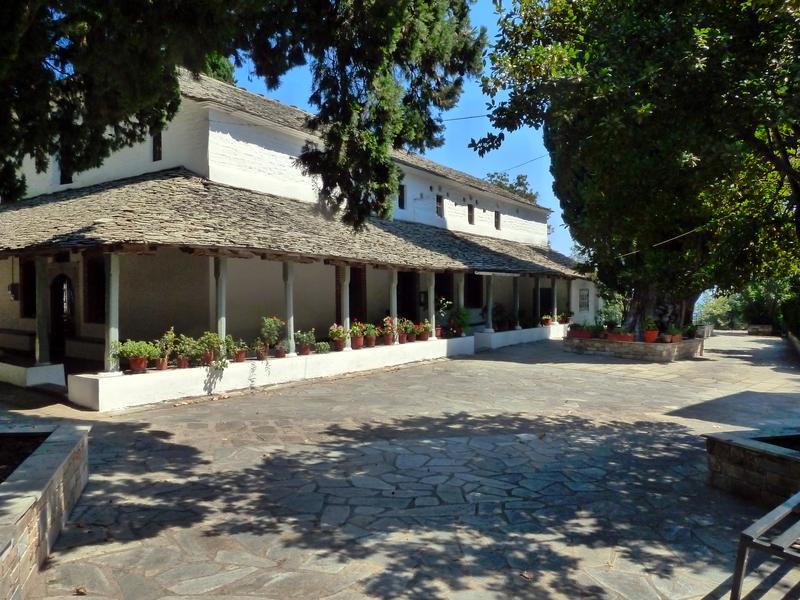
(570, 291)
(554, 287)
(112, 312)
(489, 303)
(432, 303)
(538, 299)
(344, 302)
(393, 301)
(516, 303)
(459, 277)
(42, 342)
(221, 279)
(288, 296)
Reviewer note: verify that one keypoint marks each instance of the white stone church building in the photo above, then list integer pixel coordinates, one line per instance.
(211, 225)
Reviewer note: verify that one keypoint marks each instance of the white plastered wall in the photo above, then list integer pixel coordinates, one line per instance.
(184, 143)
(584, 316)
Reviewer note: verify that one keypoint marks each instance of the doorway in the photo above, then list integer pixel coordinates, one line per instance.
(407, 289)
(62, 315)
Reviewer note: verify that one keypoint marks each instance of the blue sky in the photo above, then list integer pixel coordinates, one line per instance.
(519, 146)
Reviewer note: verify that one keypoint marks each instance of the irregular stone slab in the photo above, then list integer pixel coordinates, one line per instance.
(413, 461)
(434, 511)
(203, 585)
(370, 483)
(630, 586)
(334, 516)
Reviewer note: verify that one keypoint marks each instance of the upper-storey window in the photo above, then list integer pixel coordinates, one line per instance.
(471, 214)
(157, 152)
(497, 219)
(439, 206)
(401, 197)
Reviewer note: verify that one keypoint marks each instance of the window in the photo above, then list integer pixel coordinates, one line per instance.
(471, 214)
(473, 291)
(583, 300)
(27, 289)
(94, 289)
(65, 175)
(401, 197)
(439, 206)
(497, 219)
(157, 146)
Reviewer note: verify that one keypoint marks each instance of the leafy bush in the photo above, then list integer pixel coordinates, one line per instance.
(271, 330)
(370, 330)
(136, 349)
(322, 347)
(188, 347)
(305, 338)
(166, 343)
(335, 332)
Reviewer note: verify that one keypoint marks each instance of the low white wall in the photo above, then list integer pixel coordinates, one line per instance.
(30, 376)
(498, 339)
(113, 391)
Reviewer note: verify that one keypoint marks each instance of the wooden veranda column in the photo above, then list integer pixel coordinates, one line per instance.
(288, 294)
(432, 302)
(516, 303)
(538, 297)
(553, 282)
(393, 300)
(489, 303)
(42, 342)
(344, 301)
(112, 311)
(221, 279)
(460, 289)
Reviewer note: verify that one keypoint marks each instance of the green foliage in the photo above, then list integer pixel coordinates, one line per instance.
(210, 341)
(723, 312)
(305, 338)
(322, 347)
(82, 80)
(271, 329)
(136, 349)
(166, 343)
(518, 186)
(459, 318)
(370, 330)
(650, 324)
(219, 67)
(188, 347)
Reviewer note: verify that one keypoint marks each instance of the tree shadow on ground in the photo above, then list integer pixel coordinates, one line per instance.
(521, 505)
(746, 409)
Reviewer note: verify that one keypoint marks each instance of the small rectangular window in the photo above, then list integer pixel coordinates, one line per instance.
(471, 214)
(497, 219)
(157, 146)
(94, 289)
(27, 289)
(583, 300)
(401, 197)
(473, 291)
(64, 176)
(439, 206)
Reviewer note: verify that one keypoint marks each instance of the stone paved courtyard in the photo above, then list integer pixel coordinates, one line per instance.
(527, 472)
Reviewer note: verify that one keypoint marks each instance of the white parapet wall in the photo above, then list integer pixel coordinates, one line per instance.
(499, 339)
(29, 376)
(106, 391)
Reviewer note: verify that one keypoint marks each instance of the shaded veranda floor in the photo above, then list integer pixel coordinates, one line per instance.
(528, 472)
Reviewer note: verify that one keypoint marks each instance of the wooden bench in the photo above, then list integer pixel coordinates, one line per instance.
(777, 533)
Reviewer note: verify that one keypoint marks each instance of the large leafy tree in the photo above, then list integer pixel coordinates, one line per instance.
(81, 78)
(664, 121)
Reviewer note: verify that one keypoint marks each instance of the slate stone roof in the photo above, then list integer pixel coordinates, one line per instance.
(206, 89)
(181, 209)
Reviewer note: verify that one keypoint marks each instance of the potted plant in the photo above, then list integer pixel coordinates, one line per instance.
(407, 327)
(240, 349)
(564, 318)
(260, 348)
(166, 346)
(280, 349)
(322, 347)
(674, 334)
(370, 335)
(304, 340)
(690, 332)
(187, 350)
(459, 320)
(423, 330)
(579, 331)
(211, 344)
(443, 308)
(620, 334)
(271, 330)
(650, 330)
(337, 335)
(388, 331)
(356, 335)
(137, 353)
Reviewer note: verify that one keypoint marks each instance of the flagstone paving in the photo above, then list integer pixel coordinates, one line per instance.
(528, 472)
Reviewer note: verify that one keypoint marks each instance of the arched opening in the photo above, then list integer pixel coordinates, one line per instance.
(62, 315)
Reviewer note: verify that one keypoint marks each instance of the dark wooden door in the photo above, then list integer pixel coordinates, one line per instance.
(407, 305)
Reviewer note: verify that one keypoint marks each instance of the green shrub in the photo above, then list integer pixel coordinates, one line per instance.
(322, 347)
(136, 349)
(305, 338)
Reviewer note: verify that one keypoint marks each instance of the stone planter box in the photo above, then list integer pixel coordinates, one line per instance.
(111, 391)
(655, 352)
(751, 464)
(36, 500)
(485, 340)
(705, 331)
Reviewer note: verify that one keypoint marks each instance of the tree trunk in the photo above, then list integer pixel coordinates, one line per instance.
(642, 304)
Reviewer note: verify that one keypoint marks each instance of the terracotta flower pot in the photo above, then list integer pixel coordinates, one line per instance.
(280, 352)
(388, 339)
(402, 337)
(240, 356)
(357, 342)
(162, 364)
(182, 362)
(338, 345)
(369, 341)
(423, 336)
(547, 322)
(262, 354)
(411, 337)
(138, 364)
(303, 350)
(650, 336)
(438, 330)
(208, 357)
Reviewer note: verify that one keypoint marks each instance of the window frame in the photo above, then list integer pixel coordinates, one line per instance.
(401, 197)
(583, 294)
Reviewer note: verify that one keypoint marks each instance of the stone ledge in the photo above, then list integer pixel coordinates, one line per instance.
(36, 500)
(655, 352)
